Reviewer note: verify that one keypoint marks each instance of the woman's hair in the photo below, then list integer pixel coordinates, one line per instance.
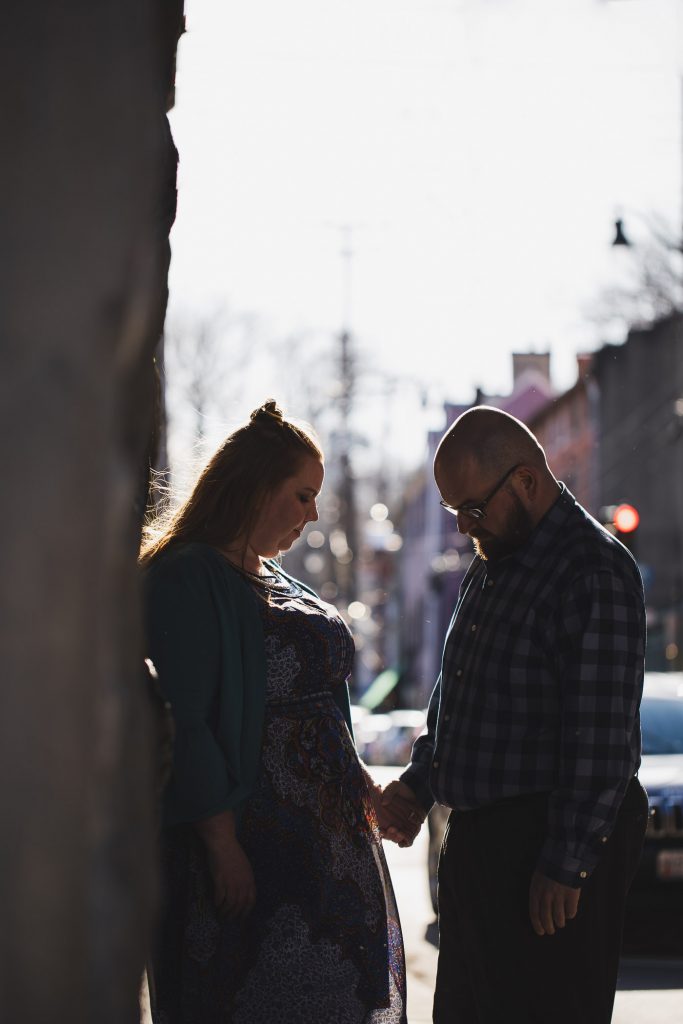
(231, 490)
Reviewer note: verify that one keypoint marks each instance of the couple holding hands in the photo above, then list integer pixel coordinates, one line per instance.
(276, 900)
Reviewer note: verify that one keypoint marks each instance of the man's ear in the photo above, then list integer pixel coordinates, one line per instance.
(528, 481)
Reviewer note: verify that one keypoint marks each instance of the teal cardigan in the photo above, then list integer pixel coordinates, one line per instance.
(205, 638)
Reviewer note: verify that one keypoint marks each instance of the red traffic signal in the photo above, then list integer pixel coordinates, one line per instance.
(626, 518)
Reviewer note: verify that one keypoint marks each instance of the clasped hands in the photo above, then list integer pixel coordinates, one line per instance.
(399, 813)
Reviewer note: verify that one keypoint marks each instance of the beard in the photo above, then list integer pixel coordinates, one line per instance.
(515, 531)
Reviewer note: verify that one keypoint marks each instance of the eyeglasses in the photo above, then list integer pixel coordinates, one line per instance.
(478, 511)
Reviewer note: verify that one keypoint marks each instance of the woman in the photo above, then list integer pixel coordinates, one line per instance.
(277, 903)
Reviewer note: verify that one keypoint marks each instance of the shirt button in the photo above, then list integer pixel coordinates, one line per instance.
(603, 839)
(583, 874)
(473, 628)
(459, 672)
(490, 583)
(435, 764)
(446, 718)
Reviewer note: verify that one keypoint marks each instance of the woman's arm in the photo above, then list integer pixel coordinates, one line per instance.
(184, 644)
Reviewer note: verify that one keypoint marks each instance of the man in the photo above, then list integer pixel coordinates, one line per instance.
(533, 740)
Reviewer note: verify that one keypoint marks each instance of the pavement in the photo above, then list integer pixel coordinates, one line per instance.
(408, 868)
(145, 1015)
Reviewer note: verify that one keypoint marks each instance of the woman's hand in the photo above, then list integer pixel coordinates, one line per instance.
(233, 879)
(400, 828)
(402, 814)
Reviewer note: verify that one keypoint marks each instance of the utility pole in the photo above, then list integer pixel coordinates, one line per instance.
(347, 571)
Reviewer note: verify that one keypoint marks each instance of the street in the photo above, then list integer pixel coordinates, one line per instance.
(648, 989)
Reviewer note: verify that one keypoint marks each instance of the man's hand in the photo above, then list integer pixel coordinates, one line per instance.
(400, 814)
(551, 904)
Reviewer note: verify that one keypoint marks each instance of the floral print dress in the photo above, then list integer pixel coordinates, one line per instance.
(323, 943)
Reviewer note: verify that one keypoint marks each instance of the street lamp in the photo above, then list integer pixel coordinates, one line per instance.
(619, 235)
(658, 233)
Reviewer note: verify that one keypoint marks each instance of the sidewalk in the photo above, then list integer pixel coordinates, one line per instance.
(409, 875)
(145, 1015)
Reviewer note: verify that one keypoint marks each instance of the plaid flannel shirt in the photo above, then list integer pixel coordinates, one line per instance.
(540, 687)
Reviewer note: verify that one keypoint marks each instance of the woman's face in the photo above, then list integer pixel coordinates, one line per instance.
(291, 505)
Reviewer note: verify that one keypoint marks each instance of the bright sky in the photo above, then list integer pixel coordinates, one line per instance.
(479, 150)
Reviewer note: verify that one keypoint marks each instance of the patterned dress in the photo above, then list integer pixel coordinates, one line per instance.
(323, 943)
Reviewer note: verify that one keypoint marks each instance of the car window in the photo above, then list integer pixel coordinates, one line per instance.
(662, 725)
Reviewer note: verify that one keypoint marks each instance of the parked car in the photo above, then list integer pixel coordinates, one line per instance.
(654, 909)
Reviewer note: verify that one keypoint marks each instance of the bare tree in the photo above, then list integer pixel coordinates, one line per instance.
(209, 357)
(653, 288)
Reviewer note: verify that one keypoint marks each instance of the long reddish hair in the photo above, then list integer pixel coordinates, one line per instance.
(226, 500)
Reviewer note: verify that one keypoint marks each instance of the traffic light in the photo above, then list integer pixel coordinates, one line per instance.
(625, 519)
(622, 522)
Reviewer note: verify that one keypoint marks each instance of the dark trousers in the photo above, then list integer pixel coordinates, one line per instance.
(493, 968)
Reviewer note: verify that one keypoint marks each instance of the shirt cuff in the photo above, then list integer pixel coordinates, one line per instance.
(557, 863)
(413, 777)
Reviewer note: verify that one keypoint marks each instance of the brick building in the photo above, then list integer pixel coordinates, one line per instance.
(641, 462)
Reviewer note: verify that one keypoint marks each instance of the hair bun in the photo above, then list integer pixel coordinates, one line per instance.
(269, 412)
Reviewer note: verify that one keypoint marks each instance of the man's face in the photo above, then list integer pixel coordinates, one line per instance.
(507, 523)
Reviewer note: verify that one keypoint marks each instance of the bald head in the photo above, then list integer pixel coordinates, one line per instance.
(492, 440)
(490, 460)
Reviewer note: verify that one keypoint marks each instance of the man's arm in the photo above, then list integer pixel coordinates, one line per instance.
(600, 657)
(416, 775)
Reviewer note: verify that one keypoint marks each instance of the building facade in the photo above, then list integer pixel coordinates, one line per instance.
(641, 463)
(568, 428)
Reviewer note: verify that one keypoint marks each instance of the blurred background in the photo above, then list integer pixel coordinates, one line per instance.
(391, 211)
